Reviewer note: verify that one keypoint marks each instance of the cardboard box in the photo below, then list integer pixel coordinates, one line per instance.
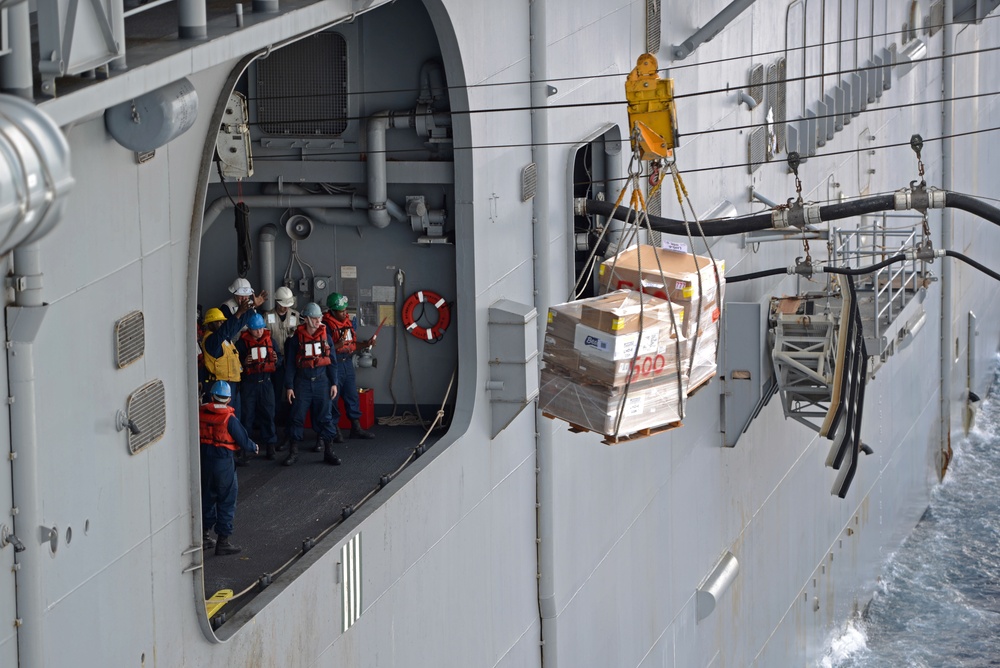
(646, 405)
(622, 311)
(679, 272)
(563, 319)
(590, 370)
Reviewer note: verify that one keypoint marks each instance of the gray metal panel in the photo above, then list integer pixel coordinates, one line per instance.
(513, 360)
(839, 96)
(741, 367)
(822, 113)
(832, 117)
(8, 583)
(810, 132)
(857, 93)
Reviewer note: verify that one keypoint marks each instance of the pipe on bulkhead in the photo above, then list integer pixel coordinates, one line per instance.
(545, 474)
(304, 202)
(377, 182)
(15, 67)
(334, 214)
(947, 218)
(24, 318)
(432, 83)
(265, 239)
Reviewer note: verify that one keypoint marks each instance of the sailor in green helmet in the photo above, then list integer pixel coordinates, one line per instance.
(345, 343)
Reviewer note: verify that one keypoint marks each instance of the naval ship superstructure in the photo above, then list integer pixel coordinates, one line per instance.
(382, 148)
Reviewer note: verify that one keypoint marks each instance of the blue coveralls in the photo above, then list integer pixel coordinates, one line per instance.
(257, 393)
(218, 481)
(312, 392)
(229, 331)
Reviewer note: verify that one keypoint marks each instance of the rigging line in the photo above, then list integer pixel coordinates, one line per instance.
(576, 142)
(608, 103)
(664, 70)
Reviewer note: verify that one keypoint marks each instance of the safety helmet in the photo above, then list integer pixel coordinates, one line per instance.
(256, 321)
(213, 315)
(312, 310)
(284, 297)
(336, 302)
(221, 390)
(241, 288)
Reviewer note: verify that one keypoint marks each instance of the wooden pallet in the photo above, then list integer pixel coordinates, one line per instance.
(692, 390)
(611, 439)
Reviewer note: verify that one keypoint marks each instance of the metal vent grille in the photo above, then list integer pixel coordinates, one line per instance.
(652, 26)
(758, 146)
(130, 339)
(936, 19)
(529, 180)
(295, 97)
(779, 105)
(757, 83)
(350, 577)
(147, 408)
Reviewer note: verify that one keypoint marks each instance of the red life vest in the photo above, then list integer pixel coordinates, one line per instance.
(344, 338)
(314, 349)
(213, 426)
(263, 359)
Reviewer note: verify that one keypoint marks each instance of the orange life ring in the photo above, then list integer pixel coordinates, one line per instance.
(434, 332)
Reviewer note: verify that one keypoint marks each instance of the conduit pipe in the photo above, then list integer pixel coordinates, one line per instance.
(377, 125)
(265, 239)
(24, 319)
(331, 215)
(304, 202)
(545, 470)
(15, 67)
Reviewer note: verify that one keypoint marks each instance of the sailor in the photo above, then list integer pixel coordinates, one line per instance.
(221, 434)
(239, 288)
(260, 359)
(281, 321)
(222, 361)
(311, 382)
(345, 342)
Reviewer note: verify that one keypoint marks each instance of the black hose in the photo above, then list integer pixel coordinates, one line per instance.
(865, 270)
(857, 207)
(973, 206)
(756, 274)
(244, 246)
(972, 263)
(713, 228)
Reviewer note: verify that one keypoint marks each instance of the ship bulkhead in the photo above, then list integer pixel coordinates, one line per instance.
(433, 151)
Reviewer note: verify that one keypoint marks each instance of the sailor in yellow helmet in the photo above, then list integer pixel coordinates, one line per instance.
(221, 360)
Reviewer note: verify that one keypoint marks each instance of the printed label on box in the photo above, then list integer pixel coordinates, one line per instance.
(633, 406)
(600, 344)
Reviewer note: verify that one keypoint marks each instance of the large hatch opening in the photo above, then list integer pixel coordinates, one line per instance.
(332, 187)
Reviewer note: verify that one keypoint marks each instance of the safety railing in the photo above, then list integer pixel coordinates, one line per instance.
(891, 288)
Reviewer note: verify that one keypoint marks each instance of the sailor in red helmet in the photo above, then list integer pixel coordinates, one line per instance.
(345, 343)
(221, 434)
(260, 359)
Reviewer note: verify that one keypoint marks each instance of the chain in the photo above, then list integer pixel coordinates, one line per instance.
(917, 144)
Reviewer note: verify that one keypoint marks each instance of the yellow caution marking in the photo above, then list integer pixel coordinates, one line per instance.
(218, 599)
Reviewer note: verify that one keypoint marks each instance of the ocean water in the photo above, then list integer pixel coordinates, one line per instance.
(938, 604)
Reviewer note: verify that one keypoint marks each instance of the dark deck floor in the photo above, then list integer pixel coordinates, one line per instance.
(279, 507)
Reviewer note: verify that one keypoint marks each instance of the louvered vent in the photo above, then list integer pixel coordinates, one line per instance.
(130, 339)
(936, 19)
(147, 409)
(757, 83)
(295, 98)
(529, 180)
(652, 26)
(758, 145)
(779, 105)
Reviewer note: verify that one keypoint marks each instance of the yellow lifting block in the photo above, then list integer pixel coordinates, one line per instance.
(651, 112)
(219, 599)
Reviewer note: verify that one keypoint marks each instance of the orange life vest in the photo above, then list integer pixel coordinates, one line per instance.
(213, 425)
(314, 349)
(345, 340)
(263, 359)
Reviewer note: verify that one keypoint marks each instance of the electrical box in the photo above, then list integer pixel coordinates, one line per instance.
(513, 360)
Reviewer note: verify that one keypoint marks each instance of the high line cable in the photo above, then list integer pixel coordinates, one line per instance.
(296, 156)
(665, 70)
(608, 103)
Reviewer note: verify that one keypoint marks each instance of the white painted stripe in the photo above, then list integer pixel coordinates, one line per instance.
(430, 335)
(350, 559)
(411, 326)
(420, 295)
(439, 303)
(345, 624)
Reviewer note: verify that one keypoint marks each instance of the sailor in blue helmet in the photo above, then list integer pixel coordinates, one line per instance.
(311, 384)
(221, 434)
(260, 359)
